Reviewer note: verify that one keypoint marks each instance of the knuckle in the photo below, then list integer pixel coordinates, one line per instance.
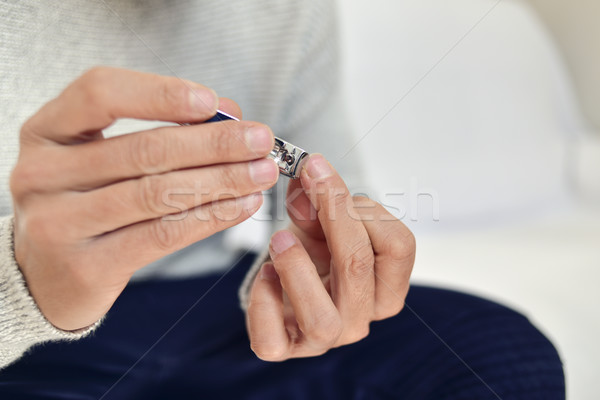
(359, 262)
(92, 84)
(325, 329)
(148, 151)
(394, 310)
(229, 179)
(95, 74)
(171, 94)
(216, 218)
(22, 179)
(151, 188)
(33, 174)
(219, 142)
(36, 171)
(364, 204)
(225, 213)
(389, 310)
(166, 235)
(39, 228)
(30, 129)
(340, 197)
(360, 198)
(357, 334)
(401, 247)
(256, 306)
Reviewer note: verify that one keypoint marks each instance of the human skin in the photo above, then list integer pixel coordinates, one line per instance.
(343, 262)
(89, 211)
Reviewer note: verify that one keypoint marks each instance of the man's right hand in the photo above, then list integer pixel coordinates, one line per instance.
(90, 211)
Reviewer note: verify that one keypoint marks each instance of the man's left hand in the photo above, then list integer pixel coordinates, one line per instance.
(344, 262)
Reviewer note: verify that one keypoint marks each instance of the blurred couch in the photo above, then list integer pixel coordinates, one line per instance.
(479, 125)
(576, 32)
(575, 29)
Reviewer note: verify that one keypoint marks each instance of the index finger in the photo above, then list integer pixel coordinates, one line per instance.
(102, 95)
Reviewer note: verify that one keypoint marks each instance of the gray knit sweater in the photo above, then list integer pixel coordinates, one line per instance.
(276, 58)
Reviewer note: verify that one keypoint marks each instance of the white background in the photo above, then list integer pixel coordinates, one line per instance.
(465, 108)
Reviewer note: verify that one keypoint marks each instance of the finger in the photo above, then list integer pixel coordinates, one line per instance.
(265, 320)
(153, 196)
(230, 107)
(95, 164)
(307, 227)
(318, 319)
(394, 247)
(130, 248)
(103, 94)
(301, 211)
(353, 282)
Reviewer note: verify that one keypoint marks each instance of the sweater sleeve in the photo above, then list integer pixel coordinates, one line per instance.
(22, 324)
(244, 291)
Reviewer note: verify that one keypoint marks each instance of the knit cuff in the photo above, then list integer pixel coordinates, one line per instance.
(246, 286)
(22, 324)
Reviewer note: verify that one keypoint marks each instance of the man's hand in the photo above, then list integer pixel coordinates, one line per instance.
(343, 263)
(90, 211)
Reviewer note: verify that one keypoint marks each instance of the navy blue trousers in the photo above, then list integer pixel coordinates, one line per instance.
(187, 340)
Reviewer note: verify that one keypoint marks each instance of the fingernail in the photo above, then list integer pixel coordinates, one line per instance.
(263, 171)
(281, 241)
(317, 167)
(268, 273)
(259, 140)
(203, 101)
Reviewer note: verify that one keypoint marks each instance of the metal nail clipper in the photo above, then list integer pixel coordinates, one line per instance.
(289, 158)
